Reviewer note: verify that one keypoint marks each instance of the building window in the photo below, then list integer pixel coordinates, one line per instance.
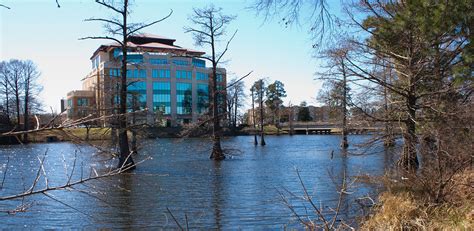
(117, 52)
(180, 74)
(134, 58)
(199, 63)
(69, 103)
(160, 73)
(142, 73)
(82, 102)
(136, 73)
(202, 76)
(202, 98)
(114, 72)
(220, 78)
(181, 62)
(136, 92)
(158, 61)
(96, 62)
(184, 98)
(162, 97)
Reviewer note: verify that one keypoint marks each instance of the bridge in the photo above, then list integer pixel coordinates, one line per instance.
(325, 128)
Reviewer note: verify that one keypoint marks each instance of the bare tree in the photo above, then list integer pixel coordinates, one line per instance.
(211, 25)
(259, 89)
(252, 93)
(122, 28)
(30, 88)
(235, 99)
(336, 78)
(4, 83)
(15, 85)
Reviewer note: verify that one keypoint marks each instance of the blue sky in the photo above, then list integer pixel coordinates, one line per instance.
(38, 30)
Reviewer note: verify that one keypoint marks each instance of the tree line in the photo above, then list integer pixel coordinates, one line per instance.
(19, 92)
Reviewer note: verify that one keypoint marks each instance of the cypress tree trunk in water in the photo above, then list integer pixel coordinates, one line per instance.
(125, 158)
(262, 139)
(217, 153)
(253, 118)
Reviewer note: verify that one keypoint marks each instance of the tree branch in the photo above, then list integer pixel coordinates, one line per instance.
(226, 47)
(148, 24)
(103, 37)
(104, 20)
(110, 7)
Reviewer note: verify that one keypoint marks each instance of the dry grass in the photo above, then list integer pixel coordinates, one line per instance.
(402, 208)
(71, 134)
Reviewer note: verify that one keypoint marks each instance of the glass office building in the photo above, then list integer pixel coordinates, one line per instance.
(170, 81)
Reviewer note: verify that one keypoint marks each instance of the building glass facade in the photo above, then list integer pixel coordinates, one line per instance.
(199, 63)
(181, 62)
(160, 73)
(202, 76)
(162, 97)
(184, 98)
(181, 74)
(202, 98)
(158, 61)
(136, 94)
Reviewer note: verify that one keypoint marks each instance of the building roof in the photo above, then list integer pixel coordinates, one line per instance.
(153, 36)
(152, 43)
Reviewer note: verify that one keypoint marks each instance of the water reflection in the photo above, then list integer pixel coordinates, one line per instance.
(217, 190)
(239, 193)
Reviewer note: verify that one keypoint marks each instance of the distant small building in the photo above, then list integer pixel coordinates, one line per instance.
(80, 103)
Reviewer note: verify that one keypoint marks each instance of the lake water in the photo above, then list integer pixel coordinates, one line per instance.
(241, 192)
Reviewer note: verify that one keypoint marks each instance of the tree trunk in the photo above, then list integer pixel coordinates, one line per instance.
(26, 114)
(255, 142)
(17, 100)
(125, 159)
(344, 142)
(88, 128)
(388, 140)
(409, 160)
(113, 135)
(7, 97)
(217, 153)
(262, 139)
(235, 109)
(134, 120)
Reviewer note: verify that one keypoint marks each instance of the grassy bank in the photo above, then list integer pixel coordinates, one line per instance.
(404, 207)
(70, 134)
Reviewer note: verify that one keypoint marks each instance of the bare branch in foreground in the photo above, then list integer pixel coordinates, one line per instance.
(69, 184)
(331, 224)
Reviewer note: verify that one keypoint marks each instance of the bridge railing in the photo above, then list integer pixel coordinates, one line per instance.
(309, 125)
